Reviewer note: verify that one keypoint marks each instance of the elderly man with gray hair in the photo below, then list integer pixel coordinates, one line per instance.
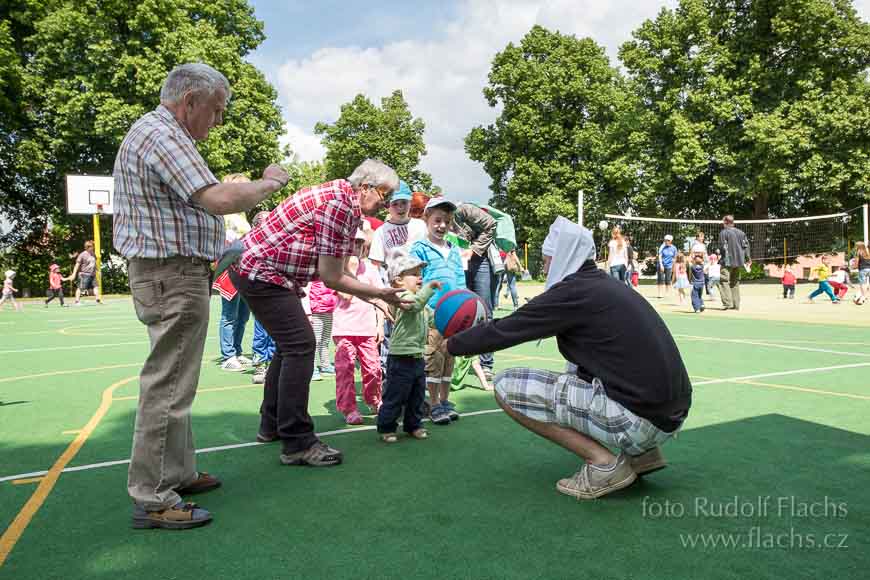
(310, 235)
(167, 224)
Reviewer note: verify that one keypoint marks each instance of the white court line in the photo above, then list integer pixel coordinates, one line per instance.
(74, 347)
(214, 449)
(781, 373)
(772, 345)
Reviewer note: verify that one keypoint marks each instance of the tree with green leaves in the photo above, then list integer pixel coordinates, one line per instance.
(389, 133)
(750, 107)
(76, 75)
(560, 101)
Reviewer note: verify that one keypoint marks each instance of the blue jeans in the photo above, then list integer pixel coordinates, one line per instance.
(479, 280)
(385, 351)
(618, 272)
(263, 346)
(234, 317)
(510, 279)
(406, 389)
(697, 296)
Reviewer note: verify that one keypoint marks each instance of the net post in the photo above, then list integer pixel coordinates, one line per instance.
(580, 207)
(99, 271)
(866, 224)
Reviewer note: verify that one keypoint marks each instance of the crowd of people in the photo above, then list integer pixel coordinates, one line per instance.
(378, 284)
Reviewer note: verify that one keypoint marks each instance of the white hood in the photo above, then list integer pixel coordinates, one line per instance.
(568, 245)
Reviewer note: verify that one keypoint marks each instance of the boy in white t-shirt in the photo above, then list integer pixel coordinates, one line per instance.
(400, 230)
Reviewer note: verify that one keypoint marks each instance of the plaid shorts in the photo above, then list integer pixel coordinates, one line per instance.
(569, 401)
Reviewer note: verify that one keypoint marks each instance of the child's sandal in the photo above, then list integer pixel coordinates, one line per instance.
(389, 437)
(419, 433)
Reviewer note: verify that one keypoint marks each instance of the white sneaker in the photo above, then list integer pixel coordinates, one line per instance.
(244, 360)
(233, 364)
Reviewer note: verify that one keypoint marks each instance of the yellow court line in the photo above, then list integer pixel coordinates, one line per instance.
(87, 370)
(74, 371)
(807, 390)
(198, 391)
(26, 481)
(791, 388)
(13, 533)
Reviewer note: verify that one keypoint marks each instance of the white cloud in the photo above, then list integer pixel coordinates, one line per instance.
(442, 79)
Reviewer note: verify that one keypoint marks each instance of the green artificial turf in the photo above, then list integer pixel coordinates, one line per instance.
(476, 500)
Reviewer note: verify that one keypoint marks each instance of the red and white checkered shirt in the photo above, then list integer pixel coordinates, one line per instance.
(315, 221)
(157, 170)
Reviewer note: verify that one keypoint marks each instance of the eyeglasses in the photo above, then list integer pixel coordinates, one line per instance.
(383, 192)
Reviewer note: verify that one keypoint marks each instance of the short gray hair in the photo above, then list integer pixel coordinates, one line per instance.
(375, 173)
(195, 77)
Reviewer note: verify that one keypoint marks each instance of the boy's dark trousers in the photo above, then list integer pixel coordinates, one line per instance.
(697, 296)
(406, 388)
(788, 290)
(52, 294)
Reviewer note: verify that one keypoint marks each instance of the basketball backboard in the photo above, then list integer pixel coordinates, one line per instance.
(89, 194)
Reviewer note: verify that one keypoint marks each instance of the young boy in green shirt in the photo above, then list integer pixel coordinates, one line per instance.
(406, 371)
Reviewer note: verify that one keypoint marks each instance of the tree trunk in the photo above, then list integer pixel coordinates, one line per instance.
(760, 210)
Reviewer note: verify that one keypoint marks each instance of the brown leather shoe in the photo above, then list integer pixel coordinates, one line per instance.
(203, 482)
(181, 516)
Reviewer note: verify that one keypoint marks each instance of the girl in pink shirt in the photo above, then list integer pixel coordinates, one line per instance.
(357, 330)
(55, 285)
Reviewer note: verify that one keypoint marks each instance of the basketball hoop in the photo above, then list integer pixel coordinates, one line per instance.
(100, 209)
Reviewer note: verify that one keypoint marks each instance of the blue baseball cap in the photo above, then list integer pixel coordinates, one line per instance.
(403, 193)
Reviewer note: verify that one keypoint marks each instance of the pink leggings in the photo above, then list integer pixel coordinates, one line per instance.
(347, 349)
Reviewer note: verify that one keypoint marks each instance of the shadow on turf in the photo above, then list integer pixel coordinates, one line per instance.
(496, 476)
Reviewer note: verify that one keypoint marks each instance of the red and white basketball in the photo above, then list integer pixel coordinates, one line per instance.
(459, 310)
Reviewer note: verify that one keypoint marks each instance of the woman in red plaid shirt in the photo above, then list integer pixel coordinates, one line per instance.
(310, 235)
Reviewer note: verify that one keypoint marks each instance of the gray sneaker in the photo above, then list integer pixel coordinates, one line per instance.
(651, 461)
(260, 374)
(440, 415)
(318, 455)
(593, 482)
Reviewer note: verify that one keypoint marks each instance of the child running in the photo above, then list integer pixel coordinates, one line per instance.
(357, 330)
(406, 387)
(823, 271)
(714, 274)
(697, 279)
(9, 291)
(443, 264)
(788, 282)
(681, 276)
(55, 285)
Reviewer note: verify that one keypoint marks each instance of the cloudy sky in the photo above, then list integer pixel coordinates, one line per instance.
(321, 54)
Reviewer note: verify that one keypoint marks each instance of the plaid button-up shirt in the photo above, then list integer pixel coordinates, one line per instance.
(157, 170)
(315, 221)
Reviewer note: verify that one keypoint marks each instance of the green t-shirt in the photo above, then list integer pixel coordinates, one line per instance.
(410, 330)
